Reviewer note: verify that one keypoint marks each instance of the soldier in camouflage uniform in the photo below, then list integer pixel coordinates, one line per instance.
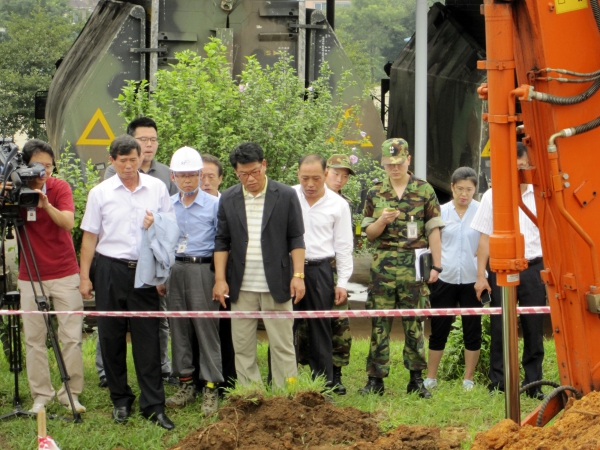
(401, 214)
(338, 171)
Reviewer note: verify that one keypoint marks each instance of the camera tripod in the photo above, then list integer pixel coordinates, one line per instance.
(8, 220)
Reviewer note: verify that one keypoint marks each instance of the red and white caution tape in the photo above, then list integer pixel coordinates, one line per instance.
(297, 314)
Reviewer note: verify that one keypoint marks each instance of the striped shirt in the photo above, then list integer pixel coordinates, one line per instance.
(254, 273)
(484, 222)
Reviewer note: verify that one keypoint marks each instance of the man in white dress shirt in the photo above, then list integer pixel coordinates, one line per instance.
(530, 292)
(328, 235)
(116, 211)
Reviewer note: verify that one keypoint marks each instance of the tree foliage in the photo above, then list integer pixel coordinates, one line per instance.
(26, 7)
(373, 32)
(33, 43)
(197, 104)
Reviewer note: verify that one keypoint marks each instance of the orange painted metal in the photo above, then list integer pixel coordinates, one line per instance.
(555, 405)
(570, 230)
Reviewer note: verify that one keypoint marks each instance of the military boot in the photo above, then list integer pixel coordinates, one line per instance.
(338, 387)
(416, 385)
(373, 386)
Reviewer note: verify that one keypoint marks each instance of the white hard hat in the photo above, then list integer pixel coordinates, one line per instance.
(186, 159)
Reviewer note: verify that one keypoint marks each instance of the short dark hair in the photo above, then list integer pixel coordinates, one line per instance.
(308, 159)
(35, 146)
(245, 153)
(521, 150)
(464, 173)
(206, 158)
(123, 145)
(146, 122)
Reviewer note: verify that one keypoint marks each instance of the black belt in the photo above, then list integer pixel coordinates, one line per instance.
(316, 262)
(129, 263)
(194, 259)
(534, 261)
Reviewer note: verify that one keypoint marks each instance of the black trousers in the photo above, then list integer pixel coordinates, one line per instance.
(320, 295)
(530, 292)
(115, 292)
(447, 295)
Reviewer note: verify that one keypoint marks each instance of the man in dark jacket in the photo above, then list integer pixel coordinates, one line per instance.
(259, 226)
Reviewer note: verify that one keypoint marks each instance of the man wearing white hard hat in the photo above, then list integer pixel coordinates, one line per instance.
(190, 283)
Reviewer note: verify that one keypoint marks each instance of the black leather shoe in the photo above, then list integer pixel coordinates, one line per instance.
(167, 378)
(160, 419)
(416, 385)
(495, 388)
(103, 383)
(338, 387)
(121, 414)
(373, 386)
(536, 393)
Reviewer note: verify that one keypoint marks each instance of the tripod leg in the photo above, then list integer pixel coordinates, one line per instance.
(60, 362)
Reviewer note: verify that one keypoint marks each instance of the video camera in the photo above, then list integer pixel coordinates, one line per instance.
(13, 169)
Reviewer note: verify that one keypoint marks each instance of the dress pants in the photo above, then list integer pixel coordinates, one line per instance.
(320, 296)
(65, 297)
(190, 289)
(530, 292)
(163, 334)
(115, 292)
(279, 332)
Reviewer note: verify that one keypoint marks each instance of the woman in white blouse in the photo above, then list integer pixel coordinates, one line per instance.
(455, 286)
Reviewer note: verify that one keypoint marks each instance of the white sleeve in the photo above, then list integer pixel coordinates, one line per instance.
(343, 243)
(166, 205)
(484, 218)
(92, 218)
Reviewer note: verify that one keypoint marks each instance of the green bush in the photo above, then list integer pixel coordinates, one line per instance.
(82, 178)
(197, 103)
(452, 366)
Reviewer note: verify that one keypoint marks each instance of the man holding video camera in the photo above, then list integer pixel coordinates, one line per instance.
(48, 228)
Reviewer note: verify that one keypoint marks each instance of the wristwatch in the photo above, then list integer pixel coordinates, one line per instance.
(299, 275)
(437, 269)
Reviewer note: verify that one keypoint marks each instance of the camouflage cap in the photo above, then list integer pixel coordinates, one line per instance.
(394, 151)
(340, 162)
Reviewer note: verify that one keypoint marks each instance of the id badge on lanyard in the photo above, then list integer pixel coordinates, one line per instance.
(411, 229)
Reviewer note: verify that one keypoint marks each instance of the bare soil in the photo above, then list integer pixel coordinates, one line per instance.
(578, 428)
(310, 421)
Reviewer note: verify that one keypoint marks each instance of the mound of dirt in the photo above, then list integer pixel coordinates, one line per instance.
(577, 429)
(309, 421)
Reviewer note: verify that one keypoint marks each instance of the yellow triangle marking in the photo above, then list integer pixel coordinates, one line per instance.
(486, 150)
(84, 138)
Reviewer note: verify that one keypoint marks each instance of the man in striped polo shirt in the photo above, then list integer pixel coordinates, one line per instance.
(259, 262)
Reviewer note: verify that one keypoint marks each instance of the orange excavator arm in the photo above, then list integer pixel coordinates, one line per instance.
(551, 51)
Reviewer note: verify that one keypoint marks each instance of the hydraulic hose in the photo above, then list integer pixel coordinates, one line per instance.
(575, 74)
(579, 129)
(596, 10)
(575, 99)
(549, 397)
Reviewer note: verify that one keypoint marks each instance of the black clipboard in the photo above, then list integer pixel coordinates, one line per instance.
(425, 263)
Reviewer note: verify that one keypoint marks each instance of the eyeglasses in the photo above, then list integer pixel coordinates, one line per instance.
(145, 140)
(462, 190)
(394, 166)
(186, 174)
(244, 176)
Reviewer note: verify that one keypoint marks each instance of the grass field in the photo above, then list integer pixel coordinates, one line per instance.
(449, 406)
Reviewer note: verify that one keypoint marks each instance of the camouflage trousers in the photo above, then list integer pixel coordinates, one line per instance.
(393, 286)
(340, 338)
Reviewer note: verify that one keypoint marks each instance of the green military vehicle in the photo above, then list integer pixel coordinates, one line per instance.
(131, 40)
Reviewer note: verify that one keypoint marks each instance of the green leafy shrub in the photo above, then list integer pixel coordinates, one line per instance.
(452, 366)
(197, 103)
(82, 178)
